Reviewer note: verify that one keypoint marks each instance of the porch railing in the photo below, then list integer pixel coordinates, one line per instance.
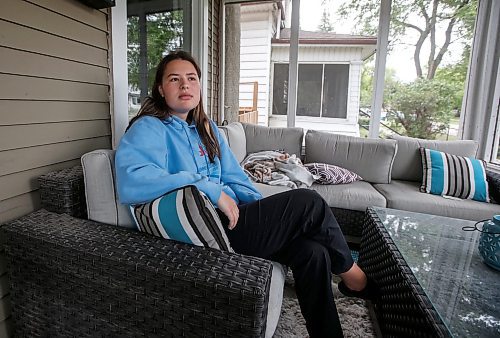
(250, 114)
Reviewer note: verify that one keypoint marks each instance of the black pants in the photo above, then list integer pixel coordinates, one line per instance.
(297, 228)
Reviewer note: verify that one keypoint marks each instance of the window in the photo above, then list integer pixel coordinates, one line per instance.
(322, 90)
(309, 90)
(426, 63)
(335, 90)
(153, 29)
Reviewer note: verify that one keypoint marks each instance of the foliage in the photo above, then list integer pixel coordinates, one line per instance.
(449, 21)
(164, 33)
(424, 107)
(455, 75)
(367, 83)
(325, 24)
(421, 107)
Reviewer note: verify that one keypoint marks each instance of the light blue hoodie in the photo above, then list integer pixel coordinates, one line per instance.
(156, 156)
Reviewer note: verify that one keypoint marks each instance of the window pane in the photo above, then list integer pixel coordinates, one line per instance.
(280, 89)
(153, 29)
(309, 90)
(165, 33)
(425, 73)
(335, 89)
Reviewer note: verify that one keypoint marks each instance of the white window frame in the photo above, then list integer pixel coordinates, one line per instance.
(479, 118)
(496, 114)
(119, 72)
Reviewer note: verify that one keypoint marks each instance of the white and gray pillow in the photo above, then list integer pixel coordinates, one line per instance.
(331, 174)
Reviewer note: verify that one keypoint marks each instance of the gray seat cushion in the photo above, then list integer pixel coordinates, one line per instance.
(405, 195)
(275, 298)
(408, 162)
(267, 190)
(354, 196)
(100, 191)
(235, 138)
(369, 158)
(259, 138)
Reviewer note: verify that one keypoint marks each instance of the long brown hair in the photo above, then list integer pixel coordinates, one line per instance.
(156, 106)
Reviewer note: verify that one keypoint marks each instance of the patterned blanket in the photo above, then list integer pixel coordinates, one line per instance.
(276, 168)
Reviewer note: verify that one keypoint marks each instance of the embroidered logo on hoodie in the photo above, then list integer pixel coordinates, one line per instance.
(202, 151)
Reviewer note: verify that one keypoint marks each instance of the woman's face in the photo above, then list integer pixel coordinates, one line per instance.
(180, 87)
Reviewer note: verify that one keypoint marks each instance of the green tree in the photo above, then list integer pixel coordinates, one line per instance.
(455, 75)
(367, 83)
(421, 107)
(325, 24)
(423, 17)
(424, 107)
(164, 33)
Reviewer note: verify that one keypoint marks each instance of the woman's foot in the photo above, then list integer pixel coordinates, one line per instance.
(370, 292)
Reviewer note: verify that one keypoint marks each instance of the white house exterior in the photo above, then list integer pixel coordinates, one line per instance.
(344, 56)
(258, 27)
(264, 53)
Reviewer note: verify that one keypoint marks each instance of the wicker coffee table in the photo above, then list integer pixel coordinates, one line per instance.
(433, 282)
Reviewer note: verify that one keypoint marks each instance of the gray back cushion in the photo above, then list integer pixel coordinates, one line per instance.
(235, 137)
(370, 158)
(408, 162)
(100, 191)
(261, 138)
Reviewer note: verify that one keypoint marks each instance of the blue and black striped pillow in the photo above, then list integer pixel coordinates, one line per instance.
(451, 175)
(185, 215)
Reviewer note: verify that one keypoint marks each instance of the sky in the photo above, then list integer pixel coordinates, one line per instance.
(400, 59)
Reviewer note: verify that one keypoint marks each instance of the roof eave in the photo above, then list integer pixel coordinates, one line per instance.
(363, 41)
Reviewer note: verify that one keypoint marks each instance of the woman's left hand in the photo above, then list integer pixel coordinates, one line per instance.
(229, 207)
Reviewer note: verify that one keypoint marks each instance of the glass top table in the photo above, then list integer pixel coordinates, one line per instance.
(439, 264)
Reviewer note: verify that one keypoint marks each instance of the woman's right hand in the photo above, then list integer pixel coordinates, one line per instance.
(228, 206)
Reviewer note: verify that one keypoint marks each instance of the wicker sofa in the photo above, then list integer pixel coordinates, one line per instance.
(391, 170)
(72, 276)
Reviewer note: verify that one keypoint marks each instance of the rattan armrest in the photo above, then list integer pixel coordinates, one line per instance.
(493, 179)
(74, 277)
(63, 191)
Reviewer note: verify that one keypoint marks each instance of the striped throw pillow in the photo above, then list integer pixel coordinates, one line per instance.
(185, 215)
(452, 175)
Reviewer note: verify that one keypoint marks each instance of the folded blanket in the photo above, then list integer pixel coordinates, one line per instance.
(276, 168)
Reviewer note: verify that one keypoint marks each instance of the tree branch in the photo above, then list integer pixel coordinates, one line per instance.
(423, 11)
(432, 25)
(409, 25)
(442, 51)
(418, 48)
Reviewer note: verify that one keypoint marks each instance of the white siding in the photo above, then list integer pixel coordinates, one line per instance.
(354, 92)
(318, 53)
(255, 60)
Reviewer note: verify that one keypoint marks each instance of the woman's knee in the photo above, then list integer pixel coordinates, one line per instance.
(308, 195)
(315, 254)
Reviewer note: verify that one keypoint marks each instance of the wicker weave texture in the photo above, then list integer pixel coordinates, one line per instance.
(493, 185)
(404, 309)
(77, 278)
(63, 191)
(350, 221)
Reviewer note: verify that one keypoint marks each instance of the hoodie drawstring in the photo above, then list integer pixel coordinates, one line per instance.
(192, 149)
(200, 144)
